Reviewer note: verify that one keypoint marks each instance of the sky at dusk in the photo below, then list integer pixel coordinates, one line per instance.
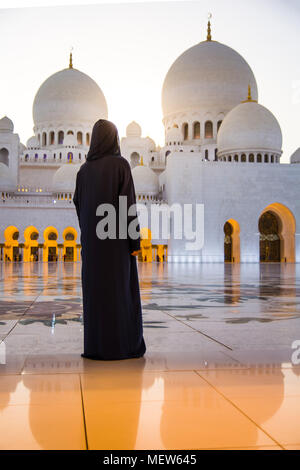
(128, 47)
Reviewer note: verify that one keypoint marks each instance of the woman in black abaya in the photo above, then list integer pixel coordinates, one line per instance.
(112, 312)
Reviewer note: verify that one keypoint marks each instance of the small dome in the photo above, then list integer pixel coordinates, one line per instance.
(6, 180)
(64, 179)
(173, 135)
(133, 130)
(207, 77)
(150, 144)
(249, 127)
(22, 147)
(145, 180)
(295, 158)
(32, 143)
(69, 96)
(6, 125)
(70, 141)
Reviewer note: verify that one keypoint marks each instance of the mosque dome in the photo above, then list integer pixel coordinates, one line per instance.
(249, 127)
(208, 77)
(295, 158)
(69, 96)
(22, 147)
(6, 180)
(32, 143)
(64, 179)
(145, 180)
(6, 125)
(173, 136)
(133, 130)
(150, 144)
(70, 141)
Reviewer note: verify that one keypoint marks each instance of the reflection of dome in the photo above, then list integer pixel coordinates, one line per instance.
(133, 130)
(70, 97)
(145, 180)
(70, 141)
(207, 77)
(249, 126)
(6, 180)
(295, 158)
(64, 179)
(6, 125)
(32, 143)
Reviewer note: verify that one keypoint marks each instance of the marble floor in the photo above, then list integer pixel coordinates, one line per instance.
(220, 370)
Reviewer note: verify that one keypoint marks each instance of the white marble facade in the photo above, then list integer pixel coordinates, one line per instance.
(222, 149)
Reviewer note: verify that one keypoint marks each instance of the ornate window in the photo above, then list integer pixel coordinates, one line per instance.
(208, 130)
(79, 138)
(51, 138)
(60, 137)
(196, 130)
(185, 128)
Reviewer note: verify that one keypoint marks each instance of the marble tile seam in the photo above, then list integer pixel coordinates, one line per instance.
(200, 332)
(241, 411)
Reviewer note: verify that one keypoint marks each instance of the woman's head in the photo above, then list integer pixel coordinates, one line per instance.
(104, 141)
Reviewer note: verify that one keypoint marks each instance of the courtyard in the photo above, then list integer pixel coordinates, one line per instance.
(220, 371)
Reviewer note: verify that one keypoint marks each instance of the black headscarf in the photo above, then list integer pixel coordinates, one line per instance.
(104, 141)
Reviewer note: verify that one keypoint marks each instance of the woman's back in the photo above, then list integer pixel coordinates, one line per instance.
(111, 299)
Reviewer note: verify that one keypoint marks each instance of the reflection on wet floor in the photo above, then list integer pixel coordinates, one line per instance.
(218, 372)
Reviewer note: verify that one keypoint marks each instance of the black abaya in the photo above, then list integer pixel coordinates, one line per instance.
(112, 312)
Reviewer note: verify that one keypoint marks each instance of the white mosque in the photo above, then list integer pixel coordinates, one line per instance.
(222, 149)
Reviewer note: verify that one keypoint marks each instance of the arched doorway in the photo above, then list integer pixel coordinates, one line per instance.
(4, 156)
(277, 234)
(231, 241)
(134, 159)
(50, 244)
(31, 246)
(269, 242)
(11, 245)
(69, 246)
(146, 245)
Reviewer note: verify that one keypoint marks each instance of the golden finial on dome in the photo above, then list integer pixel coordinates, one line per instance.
(249, 93)
(249, 98)
(71, 59)
(209, 27)
(142, 161)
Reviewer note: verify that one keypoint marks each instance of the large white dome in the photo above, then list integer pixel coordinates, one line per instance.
(145, 181)
(6, 180)
(208, 77)
(249, 127)
(64, 179)
(69, 97)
